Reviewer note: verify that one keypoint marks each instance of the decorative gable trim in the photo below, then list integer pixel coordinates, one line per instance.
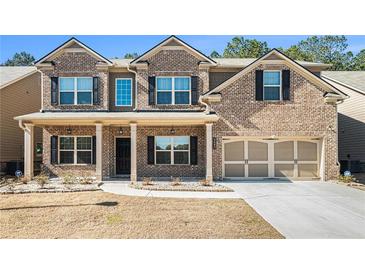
(282, 59)
(64, 47)
(166, 44)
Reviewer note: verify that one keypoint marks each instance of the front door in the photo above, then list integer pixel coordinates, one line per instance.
(123, 156)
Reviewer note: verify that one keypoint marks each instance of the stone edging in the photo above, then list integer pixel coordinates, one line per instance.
(181, 188)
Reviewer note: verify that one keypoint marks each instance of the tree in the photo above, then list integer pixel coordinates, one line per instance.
(358, 62)
(20, 59)
(131, 55)
(215, 54)
(240, 47)
(294, 52)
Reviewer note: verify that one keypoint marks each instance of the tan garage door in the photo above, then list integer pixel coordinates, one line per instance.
(270, 158)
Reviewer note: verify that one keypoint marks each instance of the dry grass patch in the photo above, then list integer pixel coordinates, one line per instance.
(106, 215)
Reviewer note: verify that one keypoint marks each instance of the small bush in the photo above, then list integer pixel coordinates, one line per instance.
(176, 181)
(205, 182)
(24, 179)
(42, 179)
(347, 179)
(86, 178)
(69, 178)
(147, 181)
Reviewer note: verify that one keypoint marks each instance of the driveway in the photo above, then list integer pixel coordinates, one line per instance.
(307, 209)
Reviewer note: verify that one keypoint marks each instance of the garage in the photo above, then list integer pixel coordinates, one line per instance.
(260, 158)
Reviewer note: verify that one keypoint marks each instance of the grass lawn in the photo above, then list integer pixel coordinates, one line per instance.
(106, 215)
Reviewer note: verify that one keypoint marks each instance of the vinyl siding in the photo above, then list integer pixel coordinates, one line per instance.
(19, 98)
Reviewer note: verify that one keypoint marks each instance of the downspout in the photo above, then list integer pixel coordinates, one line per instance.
(41, 110)
(207, 108)
(135, 88)
(21, 125)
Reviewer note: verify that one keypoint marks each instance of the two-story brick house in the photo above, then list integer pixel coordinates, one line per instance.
(175, 112)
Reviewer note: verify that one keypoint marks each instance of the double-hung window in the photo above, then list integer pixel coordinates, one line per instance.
(272, 85)
(123, 92)
(76, 90)
(173, 90)
(172, 150)
(75, 150)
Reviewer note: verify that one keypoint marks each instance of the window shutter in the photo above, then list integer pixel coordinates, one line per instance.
(95, 90)
(151, 90)
(193, 150)
(259, 85)
(94, 150)
(285, 84)
(151, 150)
(194, 90)
(54, 90)
(54, 150)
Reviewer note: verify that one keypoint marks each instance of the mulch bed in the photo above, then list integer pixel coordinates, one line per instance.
(190, 186)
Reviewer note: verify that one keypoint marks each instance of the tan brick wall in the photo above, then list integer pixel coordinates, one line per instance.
(170, 63)
(74, 64)
(58, 170)
(306, 114)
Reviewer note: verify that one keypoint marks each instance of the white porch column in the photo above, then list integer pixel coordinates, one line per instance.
(133, 152)
(99, 152)
(28, 150)
(209, 164)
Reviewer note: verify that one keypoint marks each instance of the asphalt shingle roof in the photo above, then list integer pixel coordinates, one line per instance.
(355, 79)
(10, 74)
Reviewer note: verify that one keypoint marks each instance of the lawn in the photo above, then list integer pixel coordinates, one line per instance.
(106, 215)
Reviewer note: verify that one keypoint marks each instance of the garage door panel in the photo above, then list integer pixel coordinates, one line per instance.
(234, 170)
(258, 170)
(307, 151)
(284, 170)
(234, 151)
(307, 170)
(284, 151)
(257, 151)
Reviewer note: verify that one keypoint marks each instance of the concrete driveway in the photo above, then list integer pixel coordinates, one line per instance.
(307, 209)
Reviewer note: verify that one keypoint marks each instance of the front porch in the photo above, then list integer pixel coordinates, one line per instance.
(120, 148)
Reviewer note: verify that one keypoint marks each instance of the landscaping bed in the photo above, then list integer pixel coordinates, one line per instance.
(181, 186)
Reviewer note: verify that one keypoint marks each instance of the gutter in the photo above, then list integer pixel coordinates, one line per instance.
(136, 87)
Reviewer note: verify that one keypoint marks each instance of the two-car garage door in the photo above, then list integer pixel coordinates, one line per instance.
(271, 158)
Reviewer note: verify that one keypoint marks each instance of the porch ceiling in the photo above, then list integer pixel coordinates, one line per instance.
(117, 118)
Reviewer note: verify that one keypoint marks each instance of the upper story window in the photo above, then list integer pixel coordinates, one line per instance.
(272, 85)
(173, 90)
(123, 92)
(172, 150)
(76, 90)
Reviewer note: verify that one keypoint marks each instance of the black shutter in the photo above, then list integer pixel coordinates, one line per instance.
(259, 85)
(54, 150)
(54, 90)
(193, 150)
(151, 90)
(285, 84)
(151, 150)
(194, 90)
(94, 150)
(95, 90)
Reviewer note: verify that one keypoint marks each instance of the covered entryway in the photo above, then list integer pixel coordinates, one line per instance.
(260, 158)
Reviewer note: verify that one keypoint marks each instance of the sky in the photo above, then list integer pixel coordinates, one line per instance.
(112, 46)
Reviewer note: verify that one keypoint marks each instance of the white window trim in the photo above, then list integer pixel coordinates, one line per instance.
(172, 163)
(120, 105)
(75, 150)
(173, 90)
(280, 86)
(75, 91)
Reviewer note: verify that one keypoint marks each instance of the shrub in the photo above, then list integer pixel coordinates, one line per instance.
(347, 179)
(86, 178)
(42, 179)
(176, 181)
(205, 182)
(69, 178)
(147, 181)
(24, 179)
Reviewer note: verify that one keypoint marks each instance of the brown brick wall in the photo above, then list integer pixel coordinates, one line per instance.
(306, 114)
(74, 64)
(170, 63)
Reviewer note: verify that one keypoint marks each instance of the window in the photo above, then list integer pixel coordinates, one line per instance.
(172, 150)
(272, 85)
(173, 90)
(75, 150)
(123, 92)
(76, 90)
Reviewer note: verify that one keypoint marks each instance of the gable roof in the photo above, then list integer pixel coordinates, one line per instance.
(327, 86)
(172, 39)
(12, 74)
(68, 43)
(354, 80)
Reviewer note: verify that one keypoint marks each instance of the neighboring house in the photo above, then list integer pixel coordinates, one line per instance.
(175, 112)
(20, 93)
(351, 118)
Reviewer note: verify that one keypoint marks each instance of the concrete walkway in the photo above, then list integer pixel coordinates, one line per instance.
(307, 209)
(122, 188)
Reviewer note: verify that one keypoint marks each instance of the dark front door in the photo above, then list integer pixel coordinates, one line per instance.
(123, 156)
